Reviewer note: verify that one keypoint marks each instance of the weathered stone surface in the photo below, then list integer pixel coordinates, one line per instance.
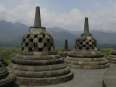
(37, 22)
(39, 64)
(109, 79)
(44, 81)
(112, 57)
(38, 68)
(83, 78)
(110, 75)
(90, 61)
(41, 72)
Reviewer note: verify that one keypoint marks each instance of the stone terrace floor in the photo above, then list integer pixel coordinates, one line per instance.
(91, 78)
(84, 78)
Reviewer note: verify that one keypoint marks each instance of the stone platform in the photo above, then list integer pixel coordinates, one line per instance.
(86, 60)
(110, 76)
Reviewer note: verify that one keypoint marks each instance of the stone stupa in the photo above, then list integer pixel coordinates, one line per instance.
(85, 55)
(112, 57)
(38, 64)
(6, 79)
(66, 49)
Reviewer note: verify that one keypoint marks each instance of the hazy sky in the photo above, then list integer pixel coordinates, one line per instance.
(68, 14)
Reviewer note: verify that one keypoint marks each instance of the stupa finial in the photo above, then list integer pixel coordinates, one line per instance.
(86, 26)
(37, 21)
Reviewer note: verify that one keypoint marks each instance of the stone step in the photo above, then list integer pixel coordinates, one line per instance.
(84, 62)
(112, 59)
(80, 66)
(38, 62)
(31, 82)
(37, 57)
(86, 59)
(42, 74)
(38, 68)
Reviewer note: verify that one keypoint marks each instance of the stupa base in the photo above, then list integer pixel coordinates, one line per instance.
(87, 63)
(86, 60)
(40, 70)
(44, 81)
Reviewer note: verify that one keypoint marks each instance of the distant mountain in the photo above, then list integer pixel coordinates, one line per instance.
(60, 35)
(11, 35)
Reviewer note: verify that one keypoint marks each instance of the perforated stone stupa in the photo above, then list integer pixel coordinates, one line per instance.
(6, 80)
(38, 64)
(85, 55)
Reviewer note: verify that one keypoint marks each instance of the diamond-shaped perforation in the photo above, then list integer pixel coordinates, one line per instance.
(40, 49)
(43, 35)
(28, 36)
(24, 40)
(30, 39)
(30, 49)
(26, 44)
(87, 48)
(35, 35)
(40, 39)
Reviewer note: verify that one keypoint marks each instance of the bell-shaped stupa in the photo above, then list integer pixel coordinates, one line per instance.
(39, 64)
(85, 55)
(37, 39)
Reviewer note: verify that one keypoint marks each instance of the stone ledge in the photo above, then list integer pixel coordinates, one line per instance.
(42, 74)
(44, 81)
(37, 57)
(89, 66)
(38, 62)
(38, 68)
(86, 59)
